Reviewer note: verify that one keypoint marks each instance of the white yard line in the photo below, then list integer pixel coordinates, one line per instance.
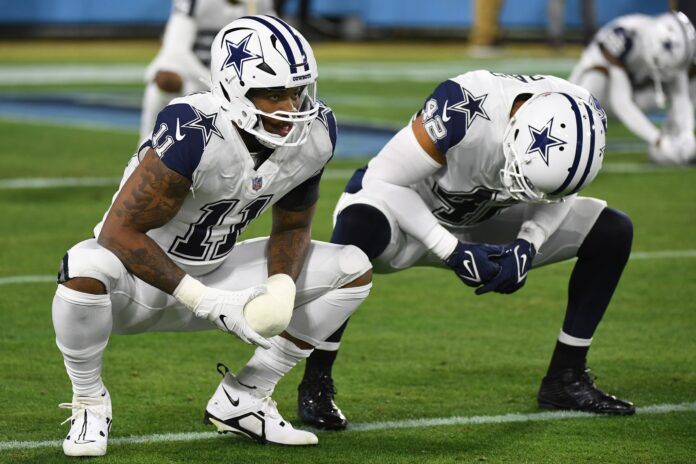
(373, 426)
(640, 255)
(418, 71)
(333, 174)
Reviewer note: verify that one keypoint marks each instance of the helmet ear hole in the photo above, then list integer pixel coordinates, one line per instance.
(517, 132)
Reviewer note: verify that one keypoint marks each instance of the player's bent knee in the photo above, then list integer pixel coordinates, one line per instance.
(169, 81)
(90, 268)
(86, 285)
(611, 235)
(354, 265)
(364, 226)
(364, 279)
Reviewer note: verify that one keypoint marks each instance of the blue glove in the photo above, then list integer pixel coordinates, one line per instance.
(472, 263)
(515, 261)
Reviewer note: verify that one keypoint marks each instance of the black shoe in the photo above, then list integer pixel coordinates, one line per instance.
(315, 403)
(575, 389)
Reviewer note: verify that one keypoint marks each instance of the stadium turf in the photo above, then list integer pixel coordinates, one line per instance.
(421, 347)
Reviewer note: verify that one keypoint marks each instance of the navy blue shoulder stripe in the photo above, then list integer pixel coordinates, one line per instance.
(281, 38)
(578, 147)
(590, 155)
(191, 7)
(297, 40)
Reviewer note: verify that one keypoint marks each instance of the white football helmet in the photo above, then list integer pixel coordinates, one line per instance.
(669, 48)
(671, 43)
(262, 52)
(553, 146)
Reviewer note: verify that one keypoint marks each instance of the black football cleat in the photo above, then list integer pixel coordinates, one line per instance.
(574, 389)
(315, 403)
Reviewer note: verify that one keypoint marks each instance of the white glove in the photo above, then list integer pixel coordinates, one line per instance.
(687, 146)
(270, 313)
(221, 307)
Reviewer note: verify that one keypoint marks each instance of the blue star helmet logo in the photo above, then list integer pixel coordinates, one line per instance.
(471, 107)
(542, 141)
(238, 54)
(204, 123)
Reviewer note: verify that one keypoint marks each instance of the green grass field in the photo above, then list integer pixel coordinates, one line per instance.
(422, 346)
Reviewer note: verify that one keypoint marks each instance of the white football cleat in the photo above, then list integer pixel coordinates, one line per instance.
(89, 425)
(234, 408)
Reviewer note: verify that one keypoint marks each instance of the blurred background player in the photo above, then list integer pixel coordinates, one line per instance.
(491, 159)
(182, 65)
(639, 63)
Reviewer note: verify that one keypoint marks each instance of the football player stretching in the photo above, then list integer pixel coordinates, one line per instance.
(637, 63)
(166, 258)
(484, 181)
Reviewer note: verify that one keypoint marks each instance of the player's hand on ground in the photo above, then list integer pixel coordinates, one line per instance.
(515, 261)
(472, 262)
(665, 150)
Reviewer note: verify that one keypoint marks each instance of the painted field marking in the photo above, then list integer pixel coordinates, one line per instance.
(373, 426)
(332, 174)
(639, 255)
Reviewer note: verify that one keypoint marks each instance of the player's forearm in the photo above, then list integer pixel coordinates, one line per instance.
(287, 251)
(143, 258)
(681, 110)
(415, 218)
(626, 110)
(543, 220)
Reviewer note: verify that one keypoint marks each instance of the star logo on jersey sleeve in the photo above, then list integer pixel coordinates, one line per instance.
(238, 54)
(205, 123)
(471, 107)
(323, 115)
(542, 141)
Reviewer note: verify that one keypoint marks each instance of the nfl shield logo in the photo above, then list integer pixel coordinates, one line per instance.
(256, 183)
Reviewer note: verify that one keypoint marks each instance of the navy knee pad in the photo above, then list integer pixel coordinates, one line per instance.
(364, 226)
(611, 235)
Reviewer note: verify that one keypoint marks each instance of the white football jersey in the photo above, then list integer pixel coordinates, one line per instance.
(193, 137)
(621, 38)
(466, 118)
(211, 15)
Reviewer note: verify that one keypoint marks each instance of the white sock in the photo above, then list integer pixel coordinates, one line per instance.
(82, 322)
(267, 367)
(154, 100)
(315, 321)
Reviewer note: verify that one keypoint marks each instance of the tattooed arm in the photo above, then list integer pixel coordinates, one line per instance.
(289, 241)
(149, 199)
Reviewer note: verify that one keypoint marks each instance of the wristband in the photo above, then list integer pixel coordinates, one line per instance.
(189, 292)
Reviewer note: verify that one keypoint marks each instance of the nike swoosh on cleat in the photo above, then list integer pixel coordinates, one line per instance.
(178, 135)
(235, 403)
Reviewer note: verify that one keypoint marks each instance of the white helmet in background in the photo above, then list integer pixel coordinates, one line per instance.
(264, 52)
(671, 43)
(553, 146)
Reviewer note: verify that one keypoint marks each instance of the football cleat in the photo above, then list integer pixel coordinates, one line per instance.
(316, 406)
(575, 389)
(235, 408)
(90, 423)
